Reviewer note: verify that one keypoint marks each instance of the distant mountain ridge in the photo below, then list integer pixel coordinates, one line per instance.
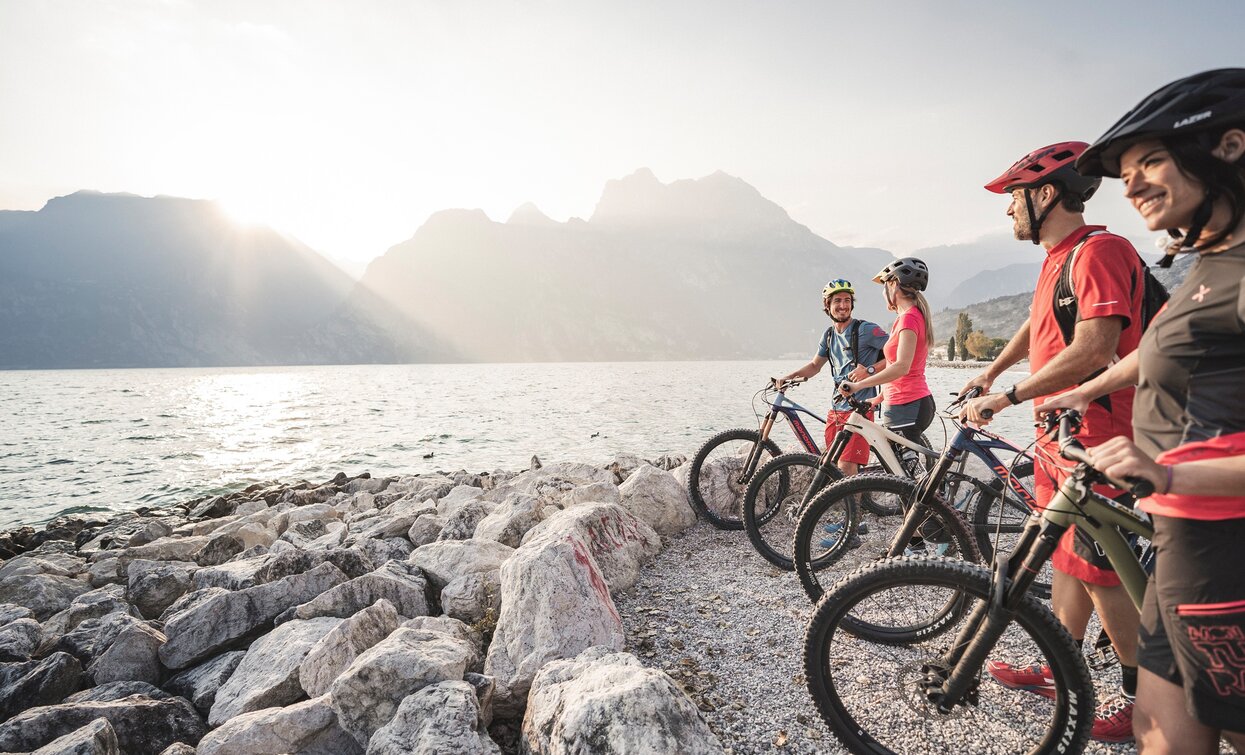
(116, 280)
(702, 268)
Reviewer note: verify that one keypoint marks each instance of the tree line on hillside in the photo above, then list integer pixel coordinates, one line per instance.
(969, 343)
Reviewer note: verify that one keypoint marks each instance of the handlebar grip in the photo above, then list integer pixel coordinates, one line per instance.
(1139, 487)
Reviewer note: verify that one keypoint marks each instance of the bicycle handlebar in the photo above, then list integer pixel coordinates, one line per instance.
(1070, 448)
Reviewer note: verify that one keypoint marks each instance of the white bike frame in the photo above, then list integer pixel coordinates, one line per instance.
(879, 439)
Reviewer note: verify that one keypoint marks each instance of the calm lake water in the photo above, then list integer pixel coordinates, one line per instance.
(109, 440)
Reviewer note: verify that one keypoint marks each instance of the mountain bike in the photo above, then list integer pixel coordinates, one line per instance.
(997, 507)
(724, 465)
(915, 685)
(782, 488)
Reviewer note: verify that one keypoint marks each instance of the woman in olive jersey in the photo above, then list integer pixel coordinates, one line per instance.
(1181, 155)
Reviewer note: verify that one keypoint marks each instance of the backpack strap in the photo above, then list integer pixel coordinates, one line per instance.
(1065, 307)
(855, 341)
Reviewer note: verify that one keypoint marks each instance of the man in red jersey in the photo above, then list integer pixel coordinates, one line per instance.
(1086, 315)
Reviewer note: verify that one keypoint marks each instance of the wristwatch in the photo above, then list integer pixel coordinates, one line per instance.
(870, 369)
(1011, 395)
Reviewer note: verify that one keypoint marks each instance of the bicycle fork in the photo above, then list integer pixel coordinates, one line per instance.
(954, 679)
(754, 457)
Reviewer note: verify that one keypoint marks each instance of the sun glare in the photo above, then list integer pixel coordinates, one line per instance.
(245, 213)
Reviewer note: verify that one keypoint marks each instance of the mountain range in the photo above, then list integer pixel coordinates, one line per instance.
(692, 269)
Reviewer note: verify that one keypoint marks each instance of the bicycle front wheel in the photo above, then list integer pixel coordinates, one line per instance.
(824, 540)
(879, 697)
(721, 471)
(772, 503)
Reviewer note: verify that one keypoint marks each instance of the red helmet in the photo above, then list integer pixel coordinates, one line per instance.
(1053, 164)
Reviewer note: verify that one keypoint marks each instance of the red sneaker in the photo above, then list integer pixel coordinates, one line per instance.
(1035, 679)
(1113, 721)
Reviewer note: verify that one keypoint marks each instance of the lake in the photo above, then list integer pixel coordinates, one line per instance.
(79, 441)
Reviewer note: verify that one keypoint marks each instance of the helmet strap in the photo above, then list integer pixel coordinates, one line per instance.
(1187, 242)
(1035, 223)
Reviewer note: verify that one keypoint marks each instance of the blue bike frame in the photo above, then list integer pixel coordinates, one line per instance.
(791, 410)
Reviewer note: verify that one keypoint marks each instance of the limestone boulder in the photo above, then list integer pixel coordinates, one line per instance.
(367, 694)
(393, 521)
(153, 530)
(268, 676)
(106, 571)
(620, 542)
(43, 594)
(605, 701)
(555, 603)
(152, 586)
(461, 525)
(132, 656)
(656, 497)
(425, 529)
(35, 683)
(96, 738)
(143, 726)
(167, 549)
(90, 638)
(12, 612)
(19, 639)
(597, 492)
(210, 626)
(445, 560)
(308, 728)
(89, 605)
(221, 548)
(472, 597)
(452, 627)
(512, 518)
(200, 683)
(46, 562)
(381, 550)
(334, 653)
(458, 497)
(440, 718)
(399, 582)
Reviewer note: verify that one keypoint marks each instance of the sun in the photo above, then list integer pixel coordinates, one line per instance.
(246, 212)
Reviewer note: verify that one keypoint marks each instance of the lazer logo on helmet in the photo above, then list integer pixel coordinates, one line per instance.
(1193, 119)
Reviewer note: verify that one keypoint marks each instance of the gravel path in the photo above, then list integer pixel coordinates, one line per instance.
(730, 628)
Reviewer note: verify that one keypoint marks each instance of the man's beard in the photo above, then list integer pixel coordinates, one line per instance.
(836, 318)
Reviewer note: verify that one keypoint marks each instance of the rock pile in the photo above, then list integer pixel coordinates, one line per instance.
(423, 614)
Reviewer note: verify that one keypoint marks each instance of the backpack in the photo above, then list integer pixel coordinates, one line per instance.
(1154, 294)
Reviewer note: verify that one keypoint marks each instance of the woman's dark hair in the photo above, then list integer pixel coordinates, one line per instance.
(1221, 179)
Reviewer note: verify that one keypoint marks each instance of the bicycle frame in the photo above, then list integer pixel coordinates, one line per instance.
(879, 439)
(1074, 503)
(791, 411)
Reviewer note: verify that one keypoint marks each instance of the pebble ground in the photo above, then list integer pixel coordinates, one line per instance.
(729, 627)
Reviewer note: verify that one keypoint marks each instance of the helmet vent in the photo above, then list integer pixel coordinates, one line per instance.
(1061, 156)
(1036, 168)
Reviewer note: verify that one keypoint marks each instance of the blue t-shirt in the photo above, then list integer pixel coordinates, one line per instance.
(836, 348)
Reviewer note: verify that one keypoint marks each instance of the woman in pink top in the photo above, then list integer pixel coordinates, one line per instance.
(909, 405)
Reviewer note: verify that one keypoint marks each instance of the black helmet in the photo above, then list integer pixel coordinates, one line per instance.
(1195, 103)
(909, 271)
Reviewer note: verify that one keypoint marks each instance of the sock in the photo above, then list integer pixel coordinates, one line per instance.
(1128, 676)
(1080, 644)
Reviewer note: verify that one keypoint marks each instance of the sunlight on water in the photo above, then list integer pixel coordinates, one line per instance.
(110, 440)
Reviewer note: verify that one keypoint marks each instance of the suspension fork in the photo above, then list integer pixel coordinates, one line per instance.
(985, 626)
(915, 515)
(754, 457)
(823, 475)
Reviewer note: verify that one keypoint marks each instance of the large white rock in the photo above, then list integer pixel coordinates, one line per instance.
(392, 521)
(440, 718)
(335, 651)
(555, 603)
(597, 492)
(620, 542)
(425, 529)
(268, 675)
(655, 496)
(203, 629)
(45, 594)
(96, 738)
(471, 597)
(445, 560)
(167, 549)
(152, 586)
(367, 694)
(399, 582)
(605, 701)
(132, 656)
(308, 728)
(512, 518)
(454, 500)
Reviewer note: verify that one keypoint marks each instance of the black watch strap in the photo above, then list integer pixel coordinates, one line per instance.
(1011, 395)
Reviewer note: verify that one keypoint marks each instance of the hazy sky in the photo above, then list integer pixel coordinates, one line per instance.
(348, 123)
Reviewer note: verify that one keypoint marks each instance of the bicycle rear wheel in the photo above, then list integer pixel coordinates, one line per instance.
(772, 503)
(914, 466)
(720, 473)
(875, 695)
(821, 554)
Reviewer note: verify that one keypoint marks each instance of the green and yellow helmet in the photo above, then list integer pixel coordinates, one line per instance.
(838, 285)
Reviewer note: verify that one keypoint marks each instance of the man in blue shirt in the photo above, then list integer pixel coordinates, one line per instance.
(853, 348)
